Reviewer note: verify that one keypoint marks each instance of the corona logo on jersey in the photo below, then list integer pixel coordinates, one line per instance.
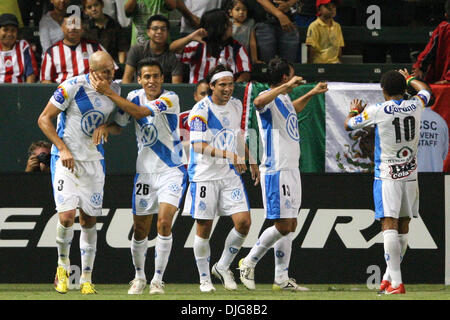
(292, 127)
(390, 109)
(398, 171)
(149, 134)
(224, 140)
(91, 120)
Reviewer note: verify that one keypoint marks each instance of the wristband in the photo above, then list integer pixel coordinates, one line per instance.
(409, 79)
(354, 111)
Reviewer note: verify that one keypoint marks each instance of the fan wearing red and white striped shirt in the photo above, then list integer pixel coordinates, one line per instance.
(211, 45)
(69, 57)
(17, 61)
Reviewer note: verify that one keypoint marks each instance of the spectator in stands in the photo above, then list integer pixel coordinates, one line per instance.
(50, 30)
(192, 10)
(69, 57)
(102, 28)
(12, 7)
(212, 44)
(276, 33)
(17, 61)
(307, 13)
(140, 11)
(158, 49)
(433, 142)
(433, 63)
(39, 157)
(243, 27)
(324, 36)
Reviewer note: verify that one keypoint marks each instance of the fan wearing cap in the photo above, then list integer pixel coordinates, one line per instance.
(324, 38)
(17, 61)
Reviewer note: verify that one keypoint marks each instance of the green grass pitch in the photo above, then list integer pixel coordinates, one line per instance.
(192, 292)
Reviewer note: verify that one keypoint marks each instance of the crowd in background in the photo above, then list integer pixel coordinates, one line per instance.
(243, 34)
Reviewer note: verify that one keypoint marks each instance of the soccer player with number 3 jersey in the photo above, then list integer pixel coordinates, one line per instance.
(280, 174)
(395, 189)
(77, 165)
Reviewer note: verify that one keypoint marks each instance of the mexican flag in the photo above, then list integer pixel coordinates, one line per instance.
(325, 145)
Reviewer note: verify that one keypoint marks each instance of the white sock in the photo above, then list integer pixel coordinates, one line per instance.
(162, 252)
(282, 253)
(88, 245)
(403, 238)
(264, 243)
(64, 238)
(392, 253)
(138, 254)
(233, 244)
(202, 253)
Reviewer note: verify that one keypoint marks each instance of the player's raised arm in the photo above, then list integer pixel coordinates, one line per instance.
(102, 86)
(301, 102)
(45, 123)
(270, 95)
(415, 83)
(356, 107)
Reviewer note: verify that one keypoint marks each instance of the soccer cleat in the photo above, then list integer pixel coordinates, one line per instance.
(156, 287)
(206, 286)
(247, 275)
(137, 286)
(399, 290)
(87, 288)
(383, 286)
(288, 285)
(225, 276)
(61, 280)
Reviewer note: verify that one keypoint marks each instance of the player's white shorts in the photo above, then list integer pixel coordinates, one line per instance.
(396, 199)
(82, 188)
(150, 189)
(208, 199)
(282, 193)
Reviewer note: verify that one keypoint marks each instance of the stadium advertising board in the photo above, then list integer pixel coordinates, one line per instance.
(337, 239)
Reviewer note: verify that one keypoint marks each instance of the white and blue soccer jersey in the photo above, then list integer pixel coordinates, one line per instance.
(397, 133)
(157, 135)
(278, 127)
(83, 110)
(218, 126)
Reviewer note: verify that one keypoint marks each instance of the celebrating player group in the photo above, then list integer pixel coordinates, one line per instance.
(211, 183)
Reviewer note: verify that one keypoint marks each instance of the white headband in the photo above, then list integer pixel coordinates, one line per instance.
(221, 75)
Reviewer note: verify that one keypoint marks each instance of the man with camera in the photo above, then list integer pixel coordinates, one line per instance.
(39, 157)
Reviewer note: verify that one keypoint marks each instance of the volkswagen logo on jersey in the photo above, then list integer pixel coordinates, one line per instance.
(224, 140)
(292, 126)
(236, 194)
(96, 199)
(90, 121)
(149, 134)
(175, 188)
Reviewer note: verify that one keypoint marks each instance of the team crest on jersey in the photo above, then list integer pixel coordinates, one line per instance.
(403, 170)
(224, 140)
(175, 188)
(8, 63)
(96, 199)
(91, 120)
(202, 206)
(292, 127)
(143, 203)
(149, 134)
(404, 152)
(197, 124)
(97, 102)
(236, 194)
(226, 121)
(60, 95)
(60, 198)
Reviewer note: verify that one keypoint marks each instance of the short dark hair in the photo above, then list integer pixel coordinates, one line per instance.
(38, 144)
(200, 82)
(148, 62)
(158, 17)
(393, 83)
(216, 69)
(83, 2)
(277, 68)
